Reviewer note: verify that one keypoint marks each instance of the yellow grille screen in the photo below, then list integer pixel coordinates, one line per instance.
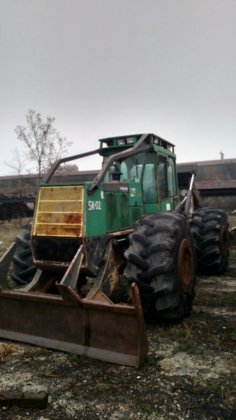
(60, 211)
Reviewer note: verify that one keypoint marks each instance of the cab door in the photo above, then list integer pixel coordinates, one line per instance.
(165, 183)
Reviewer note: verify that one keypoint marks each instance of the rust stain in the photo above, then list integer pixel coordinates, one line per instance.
(74, 218)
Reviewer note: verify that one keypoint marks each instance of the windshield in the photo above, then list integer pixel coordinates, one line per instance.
(138, 168)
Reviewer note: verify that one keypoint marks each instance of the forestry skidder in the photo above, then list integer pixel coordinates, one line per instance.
(101, 253)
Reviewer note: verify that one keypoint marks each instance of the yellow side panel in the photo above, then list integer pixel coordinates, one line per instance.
(60, 211)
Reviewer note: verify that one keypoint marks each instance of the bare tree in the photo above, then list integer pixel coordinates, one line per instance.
(18, 165)
(43, 143)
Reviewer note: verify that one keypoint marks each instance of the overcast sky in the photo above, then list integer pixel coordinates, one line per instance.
(111, 67)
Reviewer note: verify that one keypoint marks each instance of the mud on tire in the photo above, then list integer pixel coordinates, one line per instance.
(209, 228)
(160, 260)
(23, 269)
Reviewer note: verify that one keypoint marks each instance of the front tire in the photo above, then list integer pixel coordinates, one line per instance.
(23, 269)
(160, 260)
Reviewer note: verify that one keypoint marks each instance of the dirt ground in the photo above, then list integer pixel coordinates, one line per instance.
(189, 372)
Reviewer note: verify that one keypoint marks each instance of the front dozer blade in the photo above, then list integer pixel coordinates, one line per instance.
(95, 328)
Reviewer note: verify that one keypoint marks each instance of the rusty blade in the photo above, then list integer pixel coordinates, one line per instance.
(93, 328)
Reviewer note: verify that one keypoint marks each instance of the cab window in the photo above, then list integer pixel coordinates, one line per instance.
(172, 177)
(149, 184)
(162, 177)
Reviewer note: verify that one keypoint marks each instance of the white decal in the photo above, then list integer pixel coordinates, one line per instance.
(168, 208)
(124, 189)
(132, 192)
(102, 195)
(94, 205)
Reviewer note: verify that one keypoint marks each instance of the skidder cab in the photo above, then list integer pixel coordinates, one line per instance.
(100, 253)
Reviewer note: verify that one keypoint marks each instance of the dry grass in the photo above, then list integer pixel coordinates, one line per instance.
(5, 350)
(8, 232)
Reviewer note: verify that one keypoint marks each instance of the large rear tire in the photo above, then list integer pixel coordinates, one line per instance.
(160, 260)
(210, 234)
(23, 269)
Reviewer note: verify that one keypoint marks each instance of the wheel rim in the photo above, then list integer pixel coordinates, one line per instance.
(224, 244)
(185, 265)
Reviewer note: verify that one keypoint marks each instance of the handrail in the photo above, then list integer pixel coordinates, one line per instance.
(66, 159)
